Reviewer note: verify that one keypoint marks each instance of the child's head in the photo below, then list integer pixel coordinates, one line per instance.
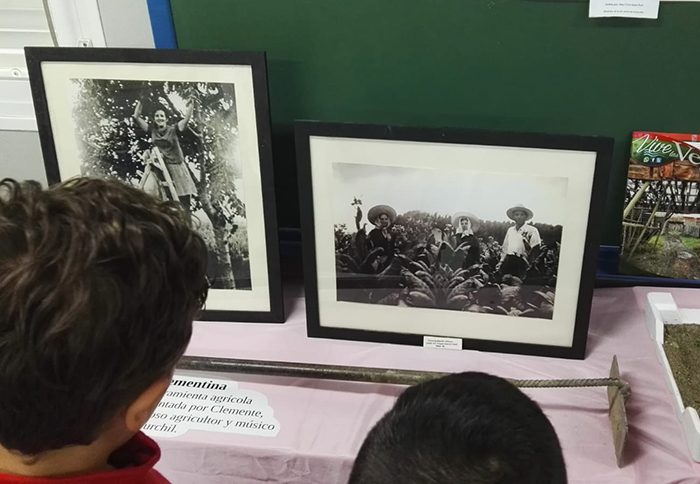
(99, 284)
(469, 428)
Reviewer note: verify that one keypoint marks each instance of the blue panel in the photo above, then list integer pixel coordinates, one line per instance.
(162, 24)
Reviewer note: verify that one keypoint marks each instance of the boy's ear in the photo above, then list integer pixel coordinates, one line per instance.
(141, 409)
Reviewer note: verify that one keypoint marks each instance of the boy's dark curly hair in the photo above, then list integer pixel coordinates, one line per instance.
(467, 428)
(99, 285)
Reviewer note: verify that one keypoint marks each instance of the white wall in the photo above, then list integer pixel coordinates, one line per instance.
(20, 156)
(126, 24)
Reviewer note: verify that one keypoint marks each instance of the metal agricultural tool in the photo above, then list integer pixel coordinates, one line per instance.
(619, 390)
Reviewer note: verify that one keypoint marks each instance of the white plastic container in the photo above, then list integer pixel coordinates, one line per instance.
(661, 309)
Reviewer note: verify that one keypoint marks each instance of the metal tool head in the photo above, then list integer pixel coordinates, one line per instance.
(617, 400)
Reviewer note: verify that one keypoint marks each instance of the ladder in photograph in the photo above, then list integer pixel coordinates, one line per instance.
(155, 158)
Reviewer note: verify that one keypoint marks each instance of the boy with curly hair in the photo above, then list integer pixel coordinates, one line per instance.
(99, 285)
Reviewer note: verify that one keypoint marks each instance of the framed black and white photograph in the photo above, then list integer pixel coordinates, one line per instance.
(189, 127)
(486, 237)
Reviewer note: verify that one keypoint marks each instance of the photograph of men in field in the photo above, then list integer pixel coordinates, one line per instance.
(459, 241)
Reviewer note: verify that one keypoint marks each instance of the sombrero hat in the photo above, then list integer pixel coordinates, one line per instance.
(377, 210)
(529, 212)
(476, 222)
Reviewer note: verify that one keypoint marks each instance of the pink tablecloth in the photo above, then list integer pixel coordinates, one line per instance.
(323, 423)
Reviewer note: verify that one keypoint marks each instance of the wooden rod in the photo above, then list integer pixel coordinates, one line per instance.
(635, 199)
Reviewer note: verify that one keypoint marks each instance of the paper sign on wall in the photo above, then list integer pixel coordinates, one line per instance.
(193, 403)
(622, 8)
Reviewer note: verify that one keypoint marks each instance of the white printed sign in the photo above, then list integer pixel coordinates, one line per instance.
(193, 403)
(442, 343)
(622, 8)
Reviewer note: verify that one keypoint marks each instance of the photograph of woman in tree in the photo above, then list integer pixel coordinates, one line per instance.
(176, 140)
(426, 251)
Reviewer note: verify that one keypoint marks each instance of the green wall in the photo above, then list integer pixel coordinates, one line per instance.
(520, 65)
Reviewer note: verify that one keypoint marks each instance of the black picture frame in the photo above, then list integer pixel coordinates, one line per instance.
(38, 56)
(601, 146)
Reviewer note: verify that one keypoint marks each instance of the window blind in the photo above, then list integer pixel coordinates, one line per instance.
(22, 23)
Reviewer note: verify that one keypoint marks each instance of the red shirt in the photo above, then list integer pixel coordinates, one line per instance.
(133, 463)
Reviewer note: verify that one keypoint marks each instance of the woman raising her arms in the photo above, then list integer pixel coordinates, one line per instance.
(164, 137)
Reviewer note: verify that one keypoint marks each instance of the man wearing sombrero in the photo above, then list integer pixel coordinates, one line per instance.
(382, 217)
(522, 243)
